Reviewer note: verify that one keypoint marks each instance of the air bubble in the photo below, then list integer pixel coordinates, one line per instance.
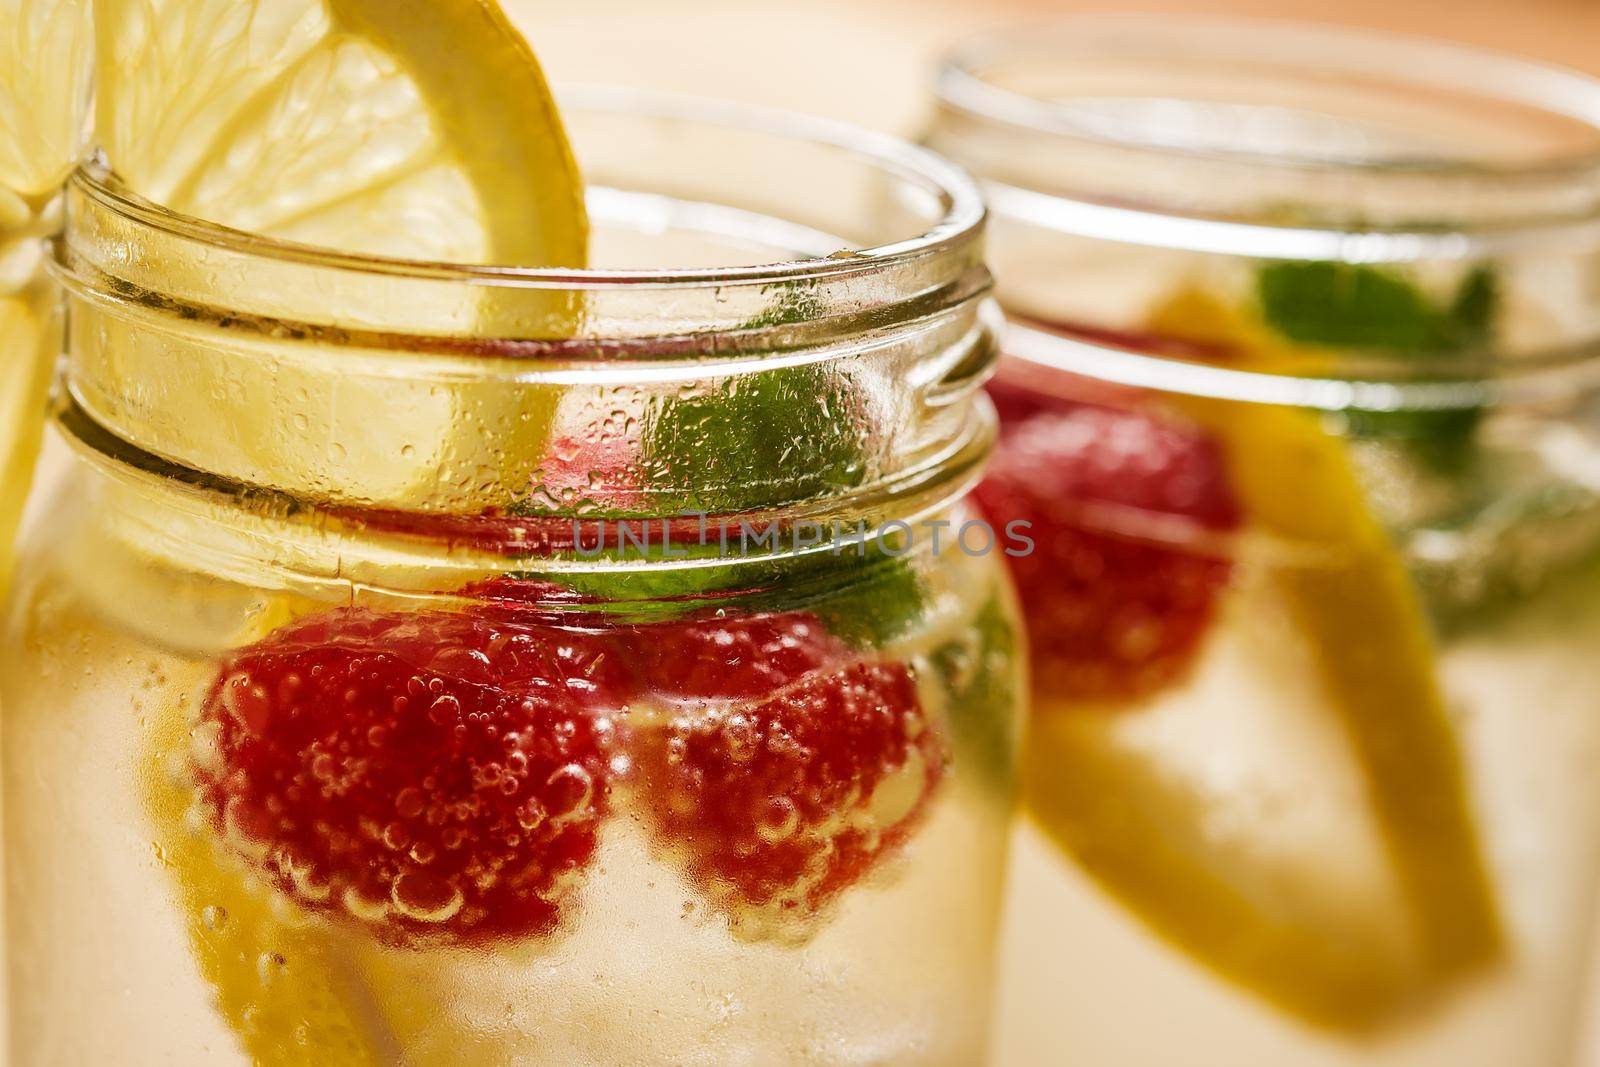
(532, 815)
(408, 803)
(323, 767)
(779, 821)
(570, 790)
(740, 739)
(308, 881)
(424, 898)
(270, 966)
(364, 907)
(445, 709)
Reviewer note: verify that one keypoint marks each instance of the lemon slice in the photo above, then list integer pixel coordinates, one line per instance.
(277, 981)
(1337, 959)
(29, 334)
(44, 94)
(1375, 653)
(422, 130)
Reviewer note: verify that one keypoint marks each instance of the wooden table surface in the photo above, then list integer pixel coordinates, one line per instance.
(869, 61)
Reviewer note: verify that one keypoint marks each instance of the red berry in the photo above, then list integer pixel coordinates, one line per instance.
(437, 777)
(777, 801)
(1014, 402)
(585, 472)
(733, 659)
(591, 661)
(1116, 601)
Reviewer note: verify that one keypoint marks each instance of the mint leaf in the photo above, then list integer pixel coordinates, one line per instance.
(1444, 441)
(760, 440)
(1350, 305)
(979, 671)
(865, 594)
(866, 600)
(1346, 305)
(1470, 320)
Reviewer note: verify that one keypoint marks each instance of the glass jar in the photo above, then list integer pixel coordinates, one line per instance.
(432, 664)
(1300, 399)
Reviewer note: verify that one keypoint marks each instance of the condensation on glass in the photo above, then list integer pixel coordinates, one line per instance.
(333, 528)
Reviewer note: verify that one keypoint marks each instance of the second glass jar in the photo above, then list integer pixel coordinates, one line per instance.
(1300, 399)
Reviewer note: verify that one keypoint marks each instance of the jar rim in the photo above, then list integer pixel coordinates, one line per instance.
(961, 221)
(386, 385)
(1141, 133)
(963, 83)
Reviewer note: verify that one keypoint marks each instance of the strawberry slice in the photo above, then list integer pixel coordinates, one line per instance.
(1120, 587)
(434, 777)
(787, 775)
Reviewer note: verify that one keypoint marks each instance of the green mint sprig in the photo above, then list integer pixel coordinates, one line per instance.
(757, 444)
(765, 439)
(1355, 306)
(865, 592)
(981, 674)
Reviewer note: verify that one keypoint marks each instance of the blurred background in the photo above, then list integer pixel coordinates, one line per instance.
(870, 61)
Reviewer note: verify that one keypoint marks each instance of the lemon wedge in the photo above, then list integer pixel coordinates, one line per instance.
(44, 95)
(1282, 923)
(1374, 650)
(44, 92)
(422, 130)
(276, 980)
(29, 335)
